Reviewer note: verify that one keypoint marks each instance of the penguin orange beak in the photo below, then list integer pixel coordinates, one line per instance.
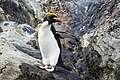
(57, 20)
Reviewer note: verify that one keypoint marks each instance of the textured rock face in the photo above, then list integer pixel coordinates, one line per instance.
(108, 41)
(11, 57)
(98, 24)
(95, 23)
(22, 11)
(83, 14)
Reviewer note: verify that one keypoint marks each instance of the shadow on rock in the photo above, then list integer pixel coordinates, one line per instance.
(93, 60)
(17, 11)
(33, 72)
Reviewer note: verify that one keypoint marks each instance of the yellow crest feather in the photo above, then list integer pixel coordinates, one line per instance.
(50, 14)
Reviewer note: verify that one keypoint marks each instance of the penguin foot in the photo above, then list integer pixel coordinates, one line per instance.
(44, 66)
(50, 69)
(47, 67)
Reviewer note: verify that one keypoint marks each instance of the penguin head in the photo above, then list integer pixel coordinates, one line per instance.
(51, 18)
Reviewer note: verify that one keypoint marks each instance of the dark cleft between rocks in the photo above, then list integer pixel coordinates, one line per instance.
(17, 13)
(1, 29)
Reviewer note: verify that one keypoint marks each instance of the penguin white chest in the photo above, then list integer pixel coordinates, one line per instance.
(47, 42)
(48, 46)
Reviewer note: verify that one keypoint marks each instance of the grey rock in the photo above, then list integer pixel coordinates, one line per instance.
(23, 11)
(12, 57)
(30, 72)
(81, 65)
(94, 22)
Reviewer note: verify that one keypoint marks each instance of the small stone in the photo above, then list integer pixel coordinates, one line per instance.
(6, 24)
(0, 53)
(80, 65)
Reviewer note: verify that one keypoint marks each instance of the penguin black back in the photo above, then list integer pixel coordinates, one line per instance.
(57, 37)
(60, 62)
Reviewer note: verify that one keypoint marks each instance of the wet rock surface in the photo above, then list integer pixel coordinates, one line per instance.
(95, 55)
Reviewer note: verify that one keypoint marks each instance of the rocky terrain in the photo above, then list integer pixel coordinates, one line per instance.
(93, 53)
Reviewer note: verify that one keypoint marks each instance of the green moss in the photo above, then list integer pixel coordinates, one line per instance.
(19, 32)
(117, 73)
(107, 71)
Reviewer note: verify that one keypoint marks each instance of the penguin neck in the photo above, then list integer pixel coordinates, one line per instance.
(45, 26)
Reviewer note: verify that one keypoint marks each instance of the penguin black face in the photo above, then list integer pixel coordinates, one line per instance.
(51, 18)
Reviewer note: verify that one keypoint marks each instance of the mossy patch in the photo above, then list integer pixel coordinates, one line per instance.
(117, 73)
(107, 71)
